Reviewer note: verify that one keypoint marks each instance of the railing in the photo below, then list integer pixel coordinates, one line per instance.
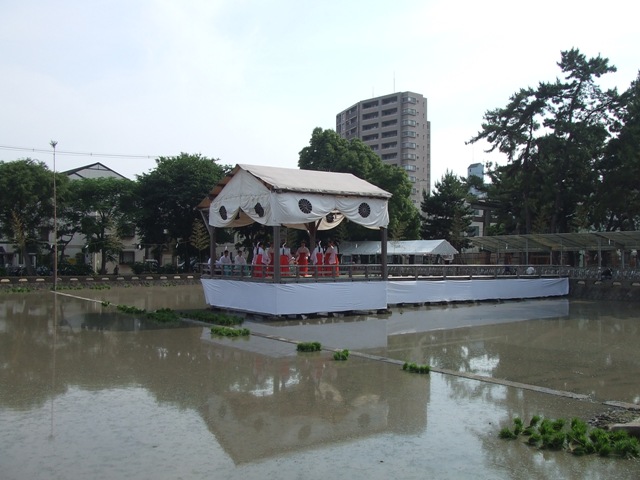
(348, 272)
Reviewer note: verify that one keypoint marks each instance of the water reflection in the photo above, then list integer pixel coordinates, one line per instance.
(118, 390)
(589, 348)
(254, 404)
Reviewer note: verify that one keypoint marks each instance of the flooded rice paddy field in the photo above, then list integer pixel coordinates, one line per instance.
(86, 392)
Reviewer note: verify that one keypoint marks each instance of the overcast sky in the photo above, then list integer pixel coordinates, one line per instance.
(248, 81)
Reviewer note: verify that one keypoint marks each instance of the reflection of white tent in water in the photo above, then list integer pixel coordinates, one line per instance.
(413, 250)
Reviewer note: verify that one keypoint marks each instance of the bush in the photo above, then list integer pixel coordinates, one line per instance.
(168, 268)
(75, 269)
(137, 267)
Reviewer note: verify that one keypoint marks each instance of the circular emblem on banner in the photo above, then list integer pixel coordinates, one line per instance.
(330, 217)
(364, 210)
(223, 212)
(259, 210)
(304, 205)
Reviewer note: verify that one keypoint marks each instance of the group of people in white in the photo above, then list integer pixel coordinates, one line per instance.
(324, 260)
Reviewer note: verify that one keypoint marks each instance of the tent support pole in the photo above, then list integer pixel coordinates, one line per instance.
(383, 253)
(276, 253)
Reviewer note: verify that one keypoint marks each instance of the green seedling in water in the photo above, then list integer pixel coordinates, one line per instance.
(309, 347)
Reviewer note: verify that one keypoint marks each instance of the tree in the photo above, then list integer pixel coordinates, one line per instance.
(199, 238)
(446, 212)
(616, 203)
(26, 204)
(553, 137)
(329, 152)
(167, 195)
(98, 208)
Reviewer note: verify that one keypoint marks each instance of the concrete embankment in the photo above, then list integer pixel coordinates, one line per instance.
(83, 281)
(605, 289)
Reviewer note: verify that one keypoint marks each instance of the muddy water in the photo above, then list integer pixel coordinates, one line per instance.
(97, 394)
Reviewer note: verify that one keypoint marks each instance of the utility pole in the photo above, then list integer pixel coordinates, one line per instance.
(53, 144)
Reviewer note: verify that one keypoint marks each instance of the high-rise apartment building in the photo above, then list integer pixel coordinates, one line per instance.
(395, 126)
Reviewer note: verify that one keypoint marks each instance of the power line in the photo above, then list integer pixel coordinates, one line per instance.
(82, 154)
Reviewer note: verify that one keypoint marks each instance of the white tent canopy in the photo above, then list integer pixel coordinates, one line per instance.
(294, 198)
(404, 247)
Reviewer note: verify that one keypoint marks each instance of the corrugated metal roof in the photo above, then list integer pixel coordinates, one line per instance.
(560, 242)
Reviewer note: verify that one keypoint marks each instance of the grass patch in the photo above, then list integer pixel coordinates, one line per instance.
(230, 332)
(309, 347)
(164, 315)
(415, 368)
(574, 436)
(130, 309)
(341, 356)
(214, 318)
(17, 290)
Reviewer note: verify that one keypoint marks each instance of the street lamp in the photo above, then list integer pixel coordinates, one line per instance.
(53, 144)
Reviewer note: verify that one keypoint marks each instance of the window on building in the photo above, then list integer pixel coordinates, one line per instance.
(373, 103)
(389, 145)
(388, 100)
(409, 123)
(409, 156)
(408, 145)
(389, 156)
(389, 111)
(391, 133)
(127, 257)
(409, 111)
(409, 99)
(369, 126)
(368, 138)
(368, 116)
(410, 168)
(409, 133)
(388, 123)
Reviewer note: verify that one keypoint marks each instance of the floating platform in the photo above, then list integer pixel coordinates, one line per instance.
(312, 297)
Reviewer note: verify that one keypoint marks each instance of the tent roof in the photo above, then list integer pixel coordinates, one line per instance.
(313, 181)
(294, 198)
(559, 242)
(297, 180)
(403, 247)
